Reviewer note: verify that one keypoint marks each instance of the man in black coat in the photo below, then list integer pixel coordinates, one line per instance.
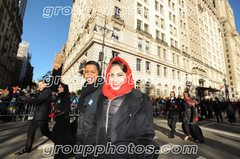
(203, 108)
(87, 104)
(210, 108)
(218, 107)
(42, 110)
(174, 108)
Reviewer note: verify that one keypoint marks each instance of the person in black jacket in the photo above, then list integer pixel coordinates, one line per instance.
(61, 133)
(87, 103)
(203, 108)
(218, 107)
(125, 115)
(210, 108)
(174, 108)
(42, 110)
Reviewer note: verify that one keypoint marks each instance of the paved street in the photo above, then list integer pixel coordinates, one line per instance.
(222, 140)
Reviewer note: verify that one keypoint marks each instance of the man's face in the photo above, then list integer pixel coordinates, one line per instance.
(91, 73)
(172, 95)
(41, 86)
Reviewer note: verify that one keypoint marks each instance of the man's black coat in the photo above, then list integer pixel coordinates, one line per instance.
(43, 104)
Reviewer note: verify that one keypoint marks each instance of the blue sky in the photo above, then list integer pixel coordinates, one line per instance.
(47, 35)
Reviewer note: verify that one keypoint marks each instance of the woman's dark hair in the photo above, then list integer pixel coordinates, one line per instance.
(186, 92)
(65, 88)
(95, 64)
(120, 64)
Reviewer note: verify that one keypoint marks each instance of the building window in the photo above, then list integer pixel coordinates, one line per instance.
(157, 34)
(139, 9)
(231, 83)
(147, 67)
(139, 25)
(230, 72)
(164, 54)
(173, 57)
(147, 46)
(227, 50)
(145, 27)
(173, 74)
(162, 23)
(146, 13)
(138, 84)
(233, 95)
(161, 9)
(171, 29)
(162, 37)
(232, 89)
(229, 66)
(165, 71)
(178, 74)
(230, 77)
(116, 34)
(138, 65)
(156, 5)
(156, 20)
(158, 51)
(174, 19)
(158, 70)
(139, 43)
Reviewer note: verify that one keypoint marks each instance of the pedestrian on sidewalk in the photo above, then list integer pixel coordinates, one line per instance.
(231, 111)
(218, 107)
(42, 110)
(174, 108)
(203, 108)
(61, 133)
(190, 119)
(210, 108)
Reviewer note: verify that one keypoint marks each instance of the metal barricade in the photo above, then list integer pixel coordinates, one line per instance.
(24, 111)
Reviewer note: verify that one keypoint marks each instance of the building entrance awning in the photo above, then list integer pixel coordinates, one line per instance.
(208, 89)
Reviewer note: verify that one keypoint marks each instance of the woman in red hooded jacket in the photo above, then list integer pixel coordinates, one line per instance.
(124, 116)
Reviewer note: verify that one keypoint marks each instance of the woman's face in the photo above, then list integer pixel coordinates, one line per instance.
(117, 77)
(60, 89)
(185, 95)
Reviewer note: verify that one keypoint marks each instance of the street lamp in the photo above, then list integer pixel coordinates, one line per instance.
(226, 88)
(105, 31)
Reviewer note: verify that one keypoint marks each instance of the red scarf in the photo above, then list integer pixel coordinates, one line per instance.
(189, 101)
(124, 89)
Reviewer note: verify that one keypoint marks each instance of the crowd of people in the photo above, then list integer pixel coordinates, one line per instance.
(206, 108)
(10, 97)
(112, 111)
